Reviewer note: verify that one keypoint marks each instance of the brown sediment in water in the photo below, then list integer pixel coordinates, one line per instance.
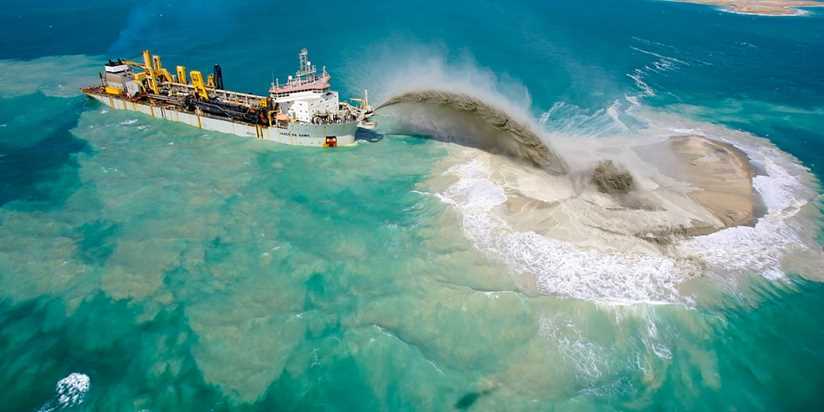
(487, 127)
(761, 7)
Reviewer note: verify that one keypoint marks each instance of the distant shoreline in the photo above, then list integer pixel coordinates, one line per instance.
(773, 8)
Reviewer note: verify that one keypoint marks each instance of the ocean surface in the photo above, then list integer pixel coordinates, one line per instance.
(150, 266)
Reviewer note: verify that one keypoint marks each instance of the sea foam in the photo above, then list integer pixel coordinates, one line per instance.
(69, 392)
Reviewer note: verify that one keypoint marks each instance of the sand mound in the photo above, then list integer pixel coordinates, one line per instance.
(722, 176)
(687, 186)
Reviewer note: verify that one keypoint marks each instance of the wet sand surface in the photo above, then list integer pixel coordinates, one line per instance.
(722, 176)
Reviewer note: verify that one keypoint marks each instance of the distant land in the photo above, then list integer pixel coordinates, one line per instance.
(761, 7)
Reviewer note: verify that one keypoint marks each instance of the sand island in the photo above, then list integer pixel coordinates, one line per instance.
(581, 216)
(761, 7)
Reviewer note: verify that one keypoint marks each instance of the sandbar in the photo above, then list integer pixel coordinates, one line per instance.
(761, 7)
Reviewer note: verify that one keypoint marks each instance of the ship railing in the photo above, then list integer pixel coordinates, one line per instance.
(299, 85)
(334, 120)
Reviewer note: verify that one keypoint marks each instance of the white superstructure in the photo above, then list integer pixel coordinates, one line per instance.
(307, 106)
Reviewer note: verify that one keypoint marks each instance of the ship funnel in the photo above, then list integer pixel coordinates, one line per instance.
(218, 72)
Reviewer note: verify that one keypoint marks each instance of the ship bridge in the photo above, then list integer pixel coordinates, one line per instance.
(305, 79)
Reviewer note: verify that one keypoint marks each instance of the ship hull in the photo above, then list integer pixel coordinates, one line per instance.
(299, 134)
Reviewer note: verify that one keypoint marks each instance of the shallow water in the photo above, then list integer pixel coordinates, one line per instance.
(177, 269)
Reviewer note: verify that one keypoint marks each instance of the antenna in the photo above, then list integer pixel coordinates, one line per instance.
(303, 58)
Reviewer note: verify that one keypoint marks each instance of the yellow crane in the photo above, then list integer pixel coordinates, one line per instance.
(154, 72)
(181, 74)
(149, 70)
(197, 82)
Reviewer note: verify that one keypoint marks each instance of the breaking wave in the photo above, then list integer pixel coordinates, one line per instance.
(69, 393)
(661, 63)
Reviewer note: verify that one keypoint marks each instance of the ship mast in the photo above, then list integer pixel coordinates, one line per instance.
(307, 70)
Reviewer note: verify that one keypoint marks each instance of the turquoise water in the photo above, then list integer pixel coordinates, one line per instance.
(186, 270)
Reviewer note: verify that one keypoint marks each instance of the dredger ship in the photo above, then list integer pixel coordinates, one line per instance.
(303, 111)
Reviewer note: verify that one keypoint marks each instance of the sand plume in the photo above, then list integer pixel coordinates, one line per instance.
(464, 119)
